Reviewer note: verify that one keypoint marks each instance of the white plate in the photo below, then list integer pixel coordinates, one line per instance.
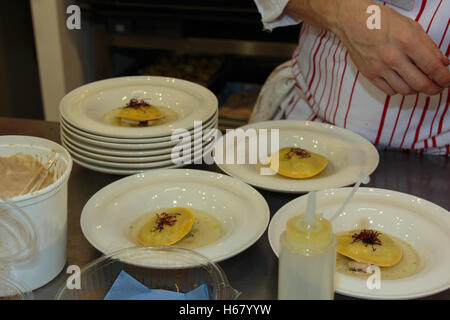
(88, 135)
(207, 136)
(348, 153)
(121, 172)
(85, 106)
(98, 156)
(142, 165)
(421, 223)
(116, 152)
(128, 171)
(243, 212)
(135, 146)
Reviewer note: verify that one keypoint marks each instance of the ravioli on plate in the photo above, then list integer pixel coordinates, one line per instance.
(139, 112)
(297, 163)
(369, 246)
(167, 227)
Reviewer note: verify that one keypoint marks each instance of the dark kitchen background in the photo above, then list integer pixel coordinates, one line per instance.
(219, 44)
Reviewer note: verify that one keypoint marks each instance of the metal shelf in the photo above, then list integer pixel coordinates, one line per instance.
(205, 45)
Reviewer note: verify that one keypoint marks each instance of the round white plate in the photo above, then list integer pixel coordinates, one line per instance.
(243, 212)
(136, 146)
(99, 156)
(121, 172)
(115, 171)
(116, 152)
(81, 133)
(421, 223)
(85, 106)
(348, 153)
(141, 165)
(207, 133)
(127, 172)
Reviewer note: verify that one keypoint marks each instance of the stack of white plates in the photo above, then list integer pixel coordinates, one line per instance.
(110, 148)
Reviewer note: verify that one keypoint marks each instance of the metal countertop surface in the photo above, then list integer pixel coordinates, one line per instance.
(254, 272)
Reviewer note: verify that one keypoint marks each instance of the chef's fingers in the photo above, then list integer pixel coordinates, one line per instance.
(423, 54)
(414, 77)
(382, 84)
(445, 60)
(397, 83)
(437, 51)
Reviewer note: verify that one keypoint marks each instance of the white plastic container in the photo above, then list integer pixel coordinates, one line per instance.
(47, 210)
(307, 260)
(18, 245)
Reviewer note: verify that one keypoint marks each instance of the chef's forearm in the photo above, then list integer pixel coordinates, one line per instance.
(326, 14)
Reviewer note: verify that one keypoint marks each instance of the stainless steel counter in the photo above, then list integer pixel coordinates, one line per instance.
(254, 272)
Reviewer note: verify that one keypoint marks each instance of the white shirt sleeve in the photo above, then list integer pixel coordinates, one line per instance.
(272, 14)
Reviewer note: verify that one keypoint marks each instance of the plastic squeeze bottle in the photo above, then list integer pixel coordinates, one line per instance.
(307, 257)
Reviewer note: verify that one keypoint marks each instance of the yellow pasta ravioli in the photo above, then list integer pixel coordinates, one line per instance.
(369, 246)
(298, 163)
(139, 112)
(167, 227)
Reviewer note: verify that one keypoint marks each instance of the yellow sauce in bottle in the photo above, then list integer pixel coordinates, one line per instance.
(307, 260)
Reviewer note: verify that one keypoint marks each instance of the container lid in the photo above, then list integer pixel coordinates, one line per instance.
(12, 290)
(18, 236)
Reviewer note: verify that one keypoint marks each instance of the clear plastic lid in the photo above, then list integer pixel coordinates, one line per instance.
(12, 290)
(157, 267)
(18, 244)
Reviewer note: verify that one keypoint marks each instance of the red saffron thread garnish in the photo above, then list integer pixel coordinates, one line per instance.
(135, 104)
(301, 153)
(165, 219)
(368, 237)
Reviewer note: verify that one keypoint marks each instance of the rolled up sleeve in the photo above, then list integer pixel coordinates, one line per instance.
(272, 14)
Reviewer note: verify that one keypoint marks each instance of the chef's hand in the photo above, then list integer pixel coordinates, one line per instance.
(397, 58)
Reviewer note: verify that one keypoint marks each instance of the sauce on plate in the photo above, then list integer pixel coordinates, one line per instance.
(205, 230)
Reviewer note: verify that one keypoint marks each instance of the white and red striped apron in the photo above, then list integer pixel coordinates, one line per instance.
(329, 88)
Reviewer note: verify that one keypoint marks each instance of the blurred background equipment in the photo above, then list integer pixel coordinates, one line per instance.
(215, 43)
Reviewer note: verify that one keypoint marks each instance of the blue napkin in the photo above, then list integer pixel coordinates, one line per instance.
(125, 287)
